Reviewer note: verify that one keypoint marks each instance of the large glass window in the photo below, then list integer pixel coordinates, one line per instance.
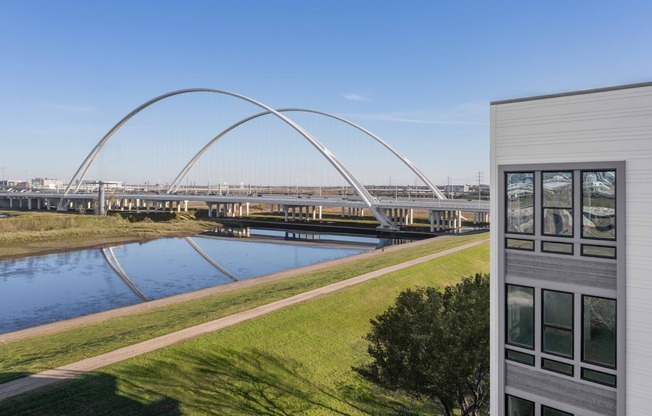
(599, 204)
(557, 324)
(557, 203)
(520, 203)
(518, 407)
(549, 411)
(520, 316)
(599, 331)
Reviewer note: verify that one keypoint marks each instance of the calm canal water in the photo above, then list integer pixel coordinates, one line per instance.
(42, 289)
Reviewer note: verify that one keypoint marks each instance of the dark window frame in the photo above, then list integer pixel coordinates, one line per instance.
(519, 239)
(615, 366)
(543, 407)
(582, 236)
(571, 209)
(572, 366)
(534, 332)
(544, 325)
(534, 198)
(519, 361)
(507, 396)
(602, 383)
(572, 246)
(615, 257)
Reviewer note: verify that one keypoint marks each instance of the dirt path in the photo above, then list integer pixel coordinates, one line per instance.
(50, 377)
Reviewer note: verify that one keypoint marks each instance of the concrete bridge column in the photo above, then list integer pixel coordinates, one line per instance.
(320, 212)
(39, 202)
(412, 216)
(294, 213)
(20, 201)
(11, 202)
(48, 203)
(431, 220)
(247, 209)
(271, 208)
(185, 206)
(459, 219)
(285, 211)
(240, 208)
(314, 213)
(29, 204)
(342, 212)
(210, 209)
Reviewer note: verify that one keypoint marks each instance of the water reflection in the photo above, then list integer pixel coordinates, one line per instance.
(42, 289)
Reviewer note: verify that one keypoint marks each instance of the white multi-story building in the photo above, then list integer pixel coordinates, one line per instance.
(571, 240)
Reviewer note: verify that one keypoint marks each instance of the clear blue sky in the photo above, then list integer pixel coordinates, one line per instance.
(420, 74)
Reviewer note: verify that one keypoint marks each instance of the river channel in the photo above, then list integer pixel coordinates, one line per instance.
(41, 289)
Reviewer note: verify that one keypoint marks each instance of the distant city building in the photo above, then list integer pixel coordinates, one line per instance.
(15, 184)
(45, 183)
(455, 189)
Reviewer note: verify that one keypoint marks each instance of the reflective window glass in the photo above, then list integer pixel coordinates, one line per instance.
(598, 251)
(520, 357)
(557, 367)
(517, 244)
(558, 323)
(599, 377)
(599, 331)
(560, 248)
(519, 407)
(557, 203)
(549, 411)
(599, 204)
(520, 202)
(520, 316)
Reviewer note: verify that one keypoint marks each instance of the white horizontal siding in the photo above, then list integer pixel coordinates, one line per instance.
(603, 126)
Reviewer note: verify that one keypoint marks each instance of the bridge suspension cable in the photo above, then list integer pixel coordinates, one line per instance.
(360, 190)
(177, 181)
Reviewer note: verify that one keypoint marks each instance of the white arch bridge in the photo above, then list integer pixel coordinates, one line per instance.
(390, 213)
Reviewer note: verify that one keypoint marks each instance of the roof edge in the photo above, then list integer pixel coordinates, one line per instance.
(571, 93)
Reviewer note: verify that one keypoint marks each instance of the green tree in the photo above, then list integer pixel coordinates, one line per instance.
(435, 345)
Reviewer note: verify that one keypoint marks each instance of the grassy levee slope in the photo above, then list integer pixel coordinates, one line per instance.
(33, 355)
(294, 361)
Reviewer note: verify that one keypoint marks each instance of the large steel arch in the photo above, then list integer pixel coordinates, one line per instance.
(177, 181)
(360, 190)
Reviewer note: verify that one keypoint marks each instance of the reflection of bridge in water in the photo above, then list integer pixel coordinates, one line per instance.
(391, 214)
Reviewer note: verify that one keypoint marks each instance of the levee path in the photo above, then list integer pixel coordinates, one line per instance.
(50, 377)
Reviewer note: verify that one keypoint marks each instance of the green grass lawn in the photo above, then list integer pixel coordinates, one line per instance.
(294, 361)
(41, 353)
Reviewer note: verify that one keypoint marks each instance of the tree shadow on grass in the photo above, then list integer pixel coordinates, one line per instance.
(228, 382)
(91, 394)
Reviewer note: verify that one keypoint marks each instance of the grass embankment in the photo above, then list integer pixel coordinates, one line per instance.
(41, 353)
(294, 361)
(29, 233)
